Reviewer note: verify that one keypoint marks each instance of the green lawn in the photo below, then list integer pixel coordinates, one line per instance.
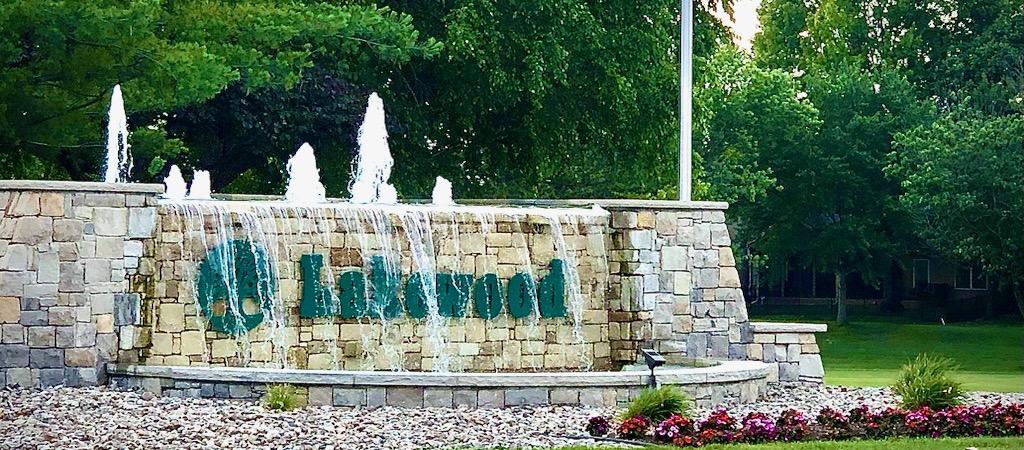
(898, 444)
(869, 353)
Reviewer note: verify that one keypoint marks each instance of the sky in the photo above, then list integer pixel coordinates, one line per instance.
(744, 21)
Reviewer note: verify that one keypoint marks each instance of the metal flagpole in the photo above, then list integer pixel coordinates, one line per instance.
(686, 102)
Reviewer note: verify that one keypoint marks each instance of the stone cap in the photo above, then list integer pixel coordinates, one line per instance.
(784, 327)
(81, 186)
(727, 371)
(610, 204)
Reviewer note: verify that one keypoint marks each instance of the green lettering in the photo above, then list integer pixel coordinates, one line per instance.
(522, 295)
(487, 296)
(552, 291)
(385, 290)
(416, 296)
(234, 274)
(352, 294)
(453, 293)
(317, 300)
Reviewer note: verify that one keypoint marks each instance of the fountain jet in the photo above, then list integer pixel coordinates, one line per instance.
(374, 162)
(119, 157)
(442, 195)
(174, 184)
(200, 187)
(304, 184)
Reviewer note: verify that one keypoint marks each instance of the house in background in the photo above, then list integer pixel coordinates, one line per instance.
(923, 286)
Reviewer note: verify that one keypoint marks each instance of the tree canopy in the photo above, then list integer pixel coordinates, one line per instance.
(60, 60)
(963, 180)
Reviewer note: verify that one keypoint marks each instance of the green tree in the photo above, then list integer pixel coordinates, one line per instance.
(964, 185)
(836, 211)
(958, 52)
(60, 59)
(545, 98)
(744, 116)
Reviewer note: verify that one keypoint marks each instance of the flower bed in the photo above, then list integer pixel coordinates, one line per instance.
(791, 425)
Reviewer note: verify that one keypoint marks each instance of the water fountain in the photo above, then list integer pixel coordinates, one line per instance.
(442, 195)
(374, 162)
(371, 301)
(174, 184)
(200, 187)
(304, 186)
(119, 158)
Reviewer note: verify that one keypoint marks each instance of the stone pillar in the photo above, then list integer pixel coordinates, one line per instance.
(67, 250)
(674, 281)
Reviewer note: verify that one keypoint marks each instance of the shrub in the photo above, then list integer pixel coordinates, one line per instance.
(925, 381)
(658, 404)
(673, 427)
(634, 427)
(281, 397)
(598, 426)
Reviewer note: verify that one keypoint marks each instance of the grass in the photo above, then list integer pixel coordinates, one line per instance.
(870, 353)
(1015, 443)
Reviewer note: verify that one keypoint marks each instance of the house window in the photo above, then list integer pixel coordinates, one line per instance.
(922, 273)
(971, 278)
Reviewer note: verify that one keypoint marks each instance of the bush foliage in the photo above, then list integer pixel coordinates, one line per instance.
(926, 381)
(658, 404)
(281, 397)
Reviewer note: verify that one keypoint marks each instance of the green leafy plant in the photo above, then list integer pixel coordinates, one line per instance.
(658, 404)
(281, 397)
(926, 381)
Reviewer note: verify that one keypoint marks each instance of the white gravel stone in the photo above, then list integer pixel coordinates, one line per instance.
(103, 418)
(810, 399)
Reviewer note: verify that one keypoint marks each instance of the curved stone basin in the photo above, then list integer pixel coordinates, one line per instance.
(743, 381)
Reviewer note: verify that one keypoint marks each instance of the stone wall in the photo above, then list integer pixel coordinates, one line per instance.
(468, 240)
(790, 349)
(66, 251)
(674, 284)
(93, 272)
(733, 381)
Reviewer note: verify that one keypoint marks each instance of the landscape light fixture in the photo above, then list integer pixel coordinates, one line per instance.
(653, 359)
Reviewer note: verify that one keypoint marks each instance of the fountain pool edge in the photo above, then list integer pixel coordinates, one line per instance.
(742, 381)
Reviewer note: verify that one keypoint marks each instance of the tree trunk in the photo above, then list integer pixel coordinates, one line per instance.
(1018, 294)
(840, 298)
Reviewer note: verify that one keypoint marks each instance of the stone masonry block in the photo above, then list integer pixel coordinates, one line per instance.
(110, 221)
(526, 397)
(810, 366)
(44, 358)
(126, 309)
(405, 397)
(10, 310)
(14, 355)
(674, 258)
(437, 398)
(491, 398)
(349, 397)
(33, 230)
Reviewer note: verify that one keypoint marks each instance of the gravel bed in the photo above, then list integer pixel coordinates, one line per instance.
(811, 399)
(68, 418)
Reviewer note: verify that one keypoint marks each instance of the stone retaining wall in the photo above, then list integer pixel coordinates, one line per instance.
(735, 381)
(790, 349)
(94, 272)
(66, 252)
